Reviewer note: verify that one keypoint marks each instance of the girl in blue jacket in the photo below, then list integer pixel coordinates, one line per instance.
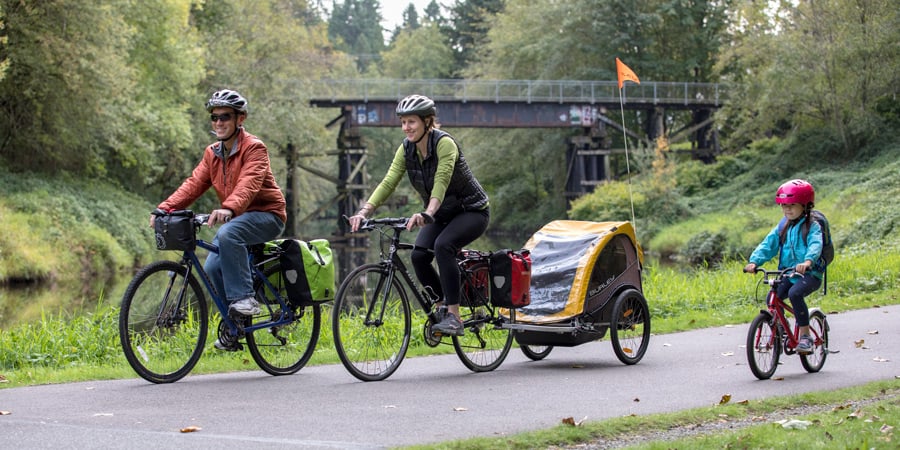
(797, 198)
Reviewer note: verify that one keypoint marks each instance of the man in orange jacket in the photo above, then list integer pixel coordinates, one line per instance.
(253, 209)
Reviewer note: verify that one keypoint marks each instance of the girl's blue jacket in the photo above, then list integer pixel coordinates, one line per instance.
(795, 249)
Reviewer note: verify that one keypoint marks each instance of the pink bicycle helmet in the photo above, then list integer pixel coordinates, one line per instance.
(795, 191)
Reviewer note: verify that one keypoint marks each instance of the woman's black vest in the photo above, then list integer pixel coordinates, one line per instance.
(464, 192)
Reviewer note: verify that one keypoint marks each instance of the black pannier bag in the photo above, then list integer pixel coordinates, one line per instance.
(175, 231)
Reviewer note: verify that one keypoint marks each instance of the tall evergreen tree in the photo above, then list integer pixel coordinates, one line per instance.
(471, 20)
(355, 27)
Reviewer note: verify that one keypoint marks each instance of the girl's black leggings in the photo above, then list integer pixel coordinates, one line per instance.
(446, 239)
(797, 293)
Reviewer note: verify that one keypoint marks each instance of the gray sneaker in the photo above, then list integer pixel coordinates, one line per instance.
(225, 346)
(806, 345)
(245, 307)
(449, 326)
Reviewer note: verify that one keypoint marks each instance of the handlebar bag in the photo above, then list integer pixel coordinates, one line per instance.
(511, 278)
(175, 232)
(308, 269)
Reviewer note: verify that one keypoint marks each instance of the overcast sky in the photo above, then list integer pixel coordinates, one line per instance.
(392, 11)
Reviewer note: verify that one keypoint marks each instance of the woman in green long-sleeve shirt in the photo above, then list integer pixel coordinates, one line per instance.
(455, 205)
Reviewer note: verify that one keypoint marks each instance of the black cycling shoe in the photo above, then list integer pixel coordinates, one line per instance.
(449, 326)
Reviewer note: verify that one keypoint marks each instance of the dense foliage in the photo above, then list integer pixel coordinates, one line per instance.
(114, 91)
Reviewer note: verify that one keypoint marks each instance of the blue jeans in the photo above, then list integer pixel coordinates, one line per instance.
(797, 292)
(228, 270)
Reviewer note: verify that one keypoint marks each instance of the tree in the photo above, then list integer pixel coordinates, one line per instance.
(410, 17)
(433, 13)
(817, 65)
(355, 28)
(95, 88)
(471, 20)
(420, 53)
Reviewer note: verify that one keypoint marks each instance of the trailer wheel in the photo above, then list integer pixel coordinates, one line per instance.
(630, 326)
(536, 352)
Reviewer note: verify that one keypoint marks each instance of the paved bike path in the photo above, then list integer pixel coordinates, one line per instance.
(435, 399)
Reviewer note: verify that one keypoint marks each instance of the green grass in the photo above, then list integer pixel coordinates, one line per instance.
(846, 418)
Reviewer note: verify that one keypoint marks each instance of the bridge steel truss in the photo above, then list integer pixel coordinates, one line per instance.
(517, 104)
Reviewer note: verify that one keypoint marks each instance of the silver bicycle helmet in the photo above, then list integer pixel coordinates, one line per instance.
(229, 99)
(418, 105)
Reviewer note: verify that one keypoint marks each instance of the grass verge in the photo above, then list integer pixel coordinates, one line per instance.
(857, 417)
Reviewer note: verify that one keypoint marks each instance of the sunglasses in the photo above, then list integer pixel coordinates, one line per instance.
(223, 117)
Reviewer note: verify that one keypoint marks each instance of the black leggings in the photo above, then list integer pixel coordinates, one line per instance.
(446, 239)
(797, 293)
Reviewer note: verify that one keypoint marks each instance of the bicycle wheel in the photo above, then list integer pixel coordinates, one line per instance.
(818, 327)
(763, 346)
(630, 326)
(282, 349)
(371, 323)
(484, 345)
(536, 352)
(163, 322)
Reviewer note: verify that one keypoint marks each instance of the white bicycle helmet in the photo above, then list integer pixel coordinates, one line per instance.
(418, 105)
(229, 99)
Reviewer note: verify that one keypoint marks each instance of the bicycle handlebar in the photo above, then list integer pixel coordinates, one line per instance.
(197, 219)
(371, 224)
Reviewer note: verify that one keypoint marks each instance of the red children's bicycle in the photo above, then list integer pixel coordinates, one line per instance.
(770, 332)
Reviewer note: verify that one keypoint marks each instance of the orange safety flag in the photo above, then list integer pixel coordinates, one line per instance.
(625, 73)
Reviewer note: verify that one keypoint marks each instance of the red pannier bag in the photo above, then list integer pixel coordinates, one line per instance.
(510, 278)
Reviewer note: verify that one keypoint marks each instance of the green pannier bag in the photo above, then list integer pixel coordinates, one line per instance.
(308, 269)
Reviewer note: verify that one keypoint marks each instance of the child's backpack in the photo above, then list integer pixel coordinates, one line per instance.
(827, 255)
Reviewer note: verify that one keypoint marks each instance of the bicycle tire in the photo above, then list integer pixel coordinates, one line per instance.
(536, 352)
(818, 325)
(282, 349)
(764, 343)
(161, 337)
(484, 345)
(371, 350)
(630, 326)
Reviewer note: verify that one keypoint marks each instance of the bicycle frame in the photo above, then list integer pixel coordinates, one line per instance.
(776, 308)
(392, 264)
(192, 262)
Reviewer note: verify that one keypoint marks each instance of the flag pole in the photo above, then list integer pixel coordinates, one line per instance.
(627, 158)
(623, 73)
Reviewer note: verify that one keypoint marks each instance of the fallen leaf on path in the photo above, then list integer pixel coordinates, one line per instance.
(571, 421)
(859, 343)
(460, 408)
(725, 399)
(873, 332)
(744, 402)
(858, 414)
(191, 429)
(794, 424)
(727, 353)
(390, 406)
(103, 415)
(636, 400)
(5, 413)
(880, 359)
